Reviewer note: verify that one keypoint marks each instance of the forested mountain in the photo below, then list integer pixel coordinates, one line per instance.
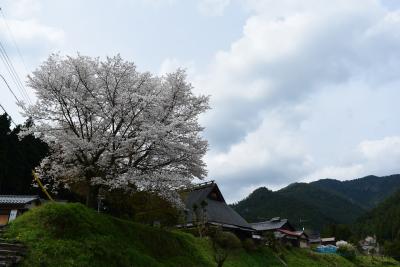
(303, 204)
(384, 222)
(366, 192)
(319, 203)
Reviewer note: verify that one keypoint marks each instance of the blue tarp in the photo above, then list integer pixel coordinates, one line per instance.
(326, 249)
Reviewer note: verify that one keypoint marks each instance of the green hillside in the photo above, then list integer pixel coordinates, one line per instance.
(303, 204)
(384, 222)
(72, 235)
(366, 192)
(319, 203)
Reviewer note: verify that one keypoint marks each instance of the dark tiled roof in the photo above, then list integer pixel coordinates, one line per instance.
(217, 210)
(269, 225)
(17, 199)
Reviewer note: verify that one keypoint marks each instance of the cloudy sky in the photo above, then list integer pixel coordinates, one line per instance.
(301, 89)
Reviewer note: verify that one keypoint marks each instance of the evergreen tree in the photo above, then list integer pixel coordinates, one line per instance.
(18, 156)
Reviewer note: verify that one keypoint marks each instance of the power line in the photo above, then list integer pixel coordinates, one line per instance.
(9, 88)
(11, 70)
(9, 65)
(12, 36)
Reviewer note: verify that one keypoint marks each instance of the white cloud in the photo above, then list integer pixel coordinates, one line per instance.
(173, 64)
(337, 172)
(32, 30)
(23, 8)
(213, 7)
(269, 147)
(388, 147)
(380, 157)
(309, 90)
(157, 3)
(296, 62)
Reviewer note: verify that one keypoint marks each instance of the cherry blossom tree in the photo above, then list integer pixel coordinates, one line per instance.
(110, 126)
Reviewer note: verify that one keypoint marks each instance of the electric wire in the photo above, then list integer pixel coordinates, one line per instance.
(9, 88)
(22, 87)
(12, 72)
(12, 37)
(10, 66)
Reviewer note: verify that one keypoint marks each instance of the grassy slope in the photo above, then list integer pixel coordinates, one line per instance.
(72, 235)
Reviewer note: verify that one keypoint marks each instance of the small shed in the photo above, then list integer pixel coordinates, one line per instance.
(328, 241)
(12, 206)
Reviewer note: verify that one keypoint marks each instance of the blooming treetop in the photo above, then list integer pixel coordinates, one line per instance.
(109, 125)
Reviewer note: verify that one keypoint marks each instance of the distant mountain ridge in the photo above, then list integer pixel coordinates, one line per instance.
(367, 192)
(315, 204)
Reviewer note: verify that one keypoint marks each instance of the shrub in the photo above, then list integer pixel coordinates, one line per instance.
(392, 249)
(227, 240)
(348, 251)
(271, 241)
(223, 244)
(249, 245)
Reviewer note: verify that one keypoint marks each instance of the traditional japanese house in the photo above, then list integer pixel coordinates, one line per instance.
(12, 206)
(295, 238)
(205, 202)
(272, 225)
(283, 231)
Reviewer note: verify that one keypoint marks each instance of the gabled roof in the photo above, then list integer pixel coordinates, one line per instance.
(293, 233)
(17, 199)
(217, 211)
(328, 239)
(273, 224)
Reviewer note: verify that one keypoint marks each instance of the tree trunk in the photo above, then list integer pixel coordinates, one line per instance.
(91, 196)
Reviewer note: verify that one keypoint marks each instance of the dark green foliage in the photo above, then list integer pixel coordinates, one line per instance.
(339, 231)
(271, 241)
(303, 204)
(18, 157)
(392, 248)
(348, 251)
(384, 222)
(143, 207)
(249, 245)
(226, 240)
(319, 203)
(223, 243)
(367, 192)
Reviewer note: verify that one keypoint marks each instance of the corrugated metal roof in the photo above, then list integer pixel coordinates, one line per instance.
(17, 199)
(216, 210)
(269, 225)
(293, 233)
